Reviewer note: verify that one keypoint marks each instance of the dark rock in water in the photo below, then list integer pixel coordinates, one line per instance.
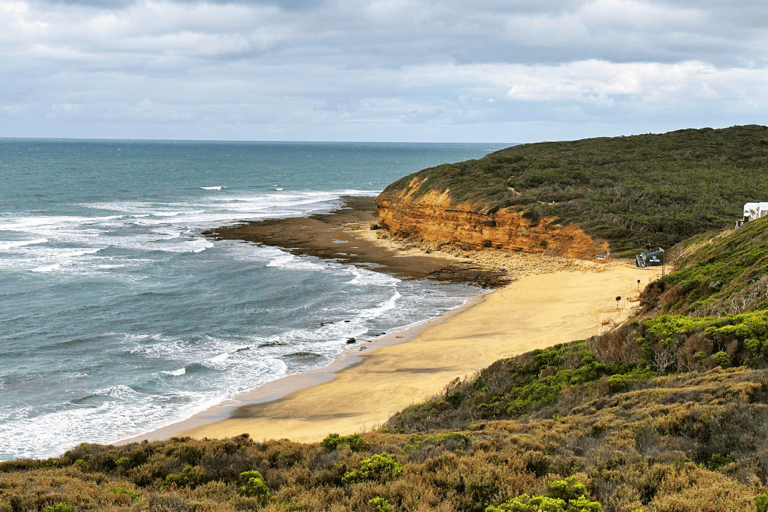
(270, 344)
(351, 340)
(302, 355)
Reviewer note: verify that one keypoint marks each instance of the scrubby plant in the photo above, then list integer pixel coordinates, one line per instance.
(717, 460)
(379, 504)
(59, 507)
(252, 485)
(761, 502)
(722, 359)
(562, 496)
(354, 441)
(379, 467)
(128, 492)
(188, 476)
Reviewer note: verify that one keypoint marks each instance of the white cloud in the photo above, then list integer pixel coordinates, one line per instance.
(350, 68)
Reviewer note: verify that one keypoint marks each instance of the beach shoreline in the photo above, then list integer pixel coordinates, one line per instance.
(545, 301)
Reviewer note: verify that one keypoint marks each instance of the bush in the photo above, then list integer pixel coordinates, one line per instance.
(722, 359)
(128, 492)
(380, 467)
(562, 496)
(354, 441)
(717, 461)
(185, 478)
(59, 507)
(761, 502)
(380, 504)
(252, 485)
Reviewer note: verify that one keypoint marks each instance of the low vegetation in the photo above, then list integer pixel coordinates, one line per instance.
(717, 273)
(666, 413)
(677, 442)
(631, 191)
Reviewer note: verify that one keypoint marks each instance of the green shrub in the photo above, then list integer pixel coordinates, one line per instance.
(185, 478)
(354, 441)
(562, 496)
(380, 467)
(717, 461)
(455, 398)
(761, 502)
(722, 359)
(380, 504)
(618, 383)
(753, 345)
(124, 490)
(59, 507)
(252, 485)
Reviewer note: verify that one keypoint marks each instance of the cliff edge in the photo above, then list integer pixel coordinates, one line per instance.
(433, 217)
(584, 198)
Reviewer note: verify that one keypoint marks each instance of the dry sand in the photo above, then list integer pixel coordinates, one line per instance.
(535, 312)
(552, 300)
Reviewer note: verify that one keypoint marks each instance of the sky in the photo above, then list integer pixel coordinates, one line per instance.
(379, 70)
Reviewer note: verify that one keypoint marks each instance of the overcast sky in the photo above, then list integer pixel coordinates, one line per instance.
(379, 70)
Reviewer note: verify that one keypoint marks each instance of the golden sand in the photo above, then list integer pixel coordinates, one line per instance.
(536, 311)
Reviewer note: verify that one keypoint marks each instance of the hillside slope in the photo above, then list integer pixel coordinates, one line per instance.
(666, 413)
(718, 273)
(627, 191)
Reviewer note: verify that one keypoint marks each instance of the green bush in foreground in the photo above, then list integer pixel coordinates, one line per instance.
(128, 492)
(562, 496)
(354, 441)
(59, 507)
(380, 467)
(379, 504)
(186, 478)
(252, 485)
(761, 502)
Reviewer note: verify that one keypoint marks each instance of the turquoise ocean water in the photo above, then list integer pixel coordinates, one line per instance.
(117, 316)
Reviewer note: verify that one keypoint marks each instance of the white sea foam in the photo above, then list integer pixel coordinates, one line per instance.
(120, 391)
(291, 262)
(365, 277)
(220, 358)
(47, 268)
(6, 246)
(217, 187)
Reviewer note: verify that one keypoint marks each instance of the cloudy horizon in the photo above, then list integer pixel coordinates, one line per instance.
(379, 70)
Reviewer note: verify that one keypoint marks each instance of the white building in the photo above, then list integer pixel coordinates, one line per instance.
(753, 211)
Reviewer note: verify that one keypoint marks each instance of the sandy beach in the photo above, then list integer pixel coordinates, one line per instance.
(550, 301)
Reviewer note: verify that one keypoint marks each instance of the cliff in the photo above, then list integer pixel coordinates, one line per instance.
(627, 191)
(433, 217)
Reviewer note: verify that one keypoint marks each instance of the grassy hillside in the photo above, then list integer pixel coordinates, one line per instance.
(717, 273)
(657, 189)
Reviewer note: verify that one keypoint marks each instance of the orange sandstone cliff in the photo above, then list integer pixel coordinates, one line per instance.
(433, 217)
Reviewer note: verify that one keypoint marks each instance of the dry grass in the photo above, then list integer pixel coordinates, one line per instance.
(652, 446)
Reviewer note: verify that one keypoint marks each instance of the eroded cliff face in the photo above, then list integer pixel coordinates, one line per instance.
(432, 217)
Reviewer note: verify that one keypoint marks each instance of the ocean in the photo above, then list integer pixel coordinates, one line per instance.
(119, 317)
